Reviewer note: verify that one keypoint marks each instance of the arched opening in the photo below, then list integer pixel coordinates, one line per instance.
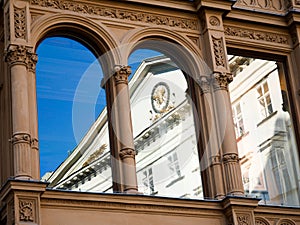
(163, 121)
(70, 99)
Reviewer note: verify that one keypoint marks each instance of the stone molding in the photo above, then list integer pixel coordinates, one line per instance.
(267, 6)
(121, 74)
(120, 14)
(256, 35)
(261, 221)
(20, 54)
(221, 80)
(127, 153)
(285, 222)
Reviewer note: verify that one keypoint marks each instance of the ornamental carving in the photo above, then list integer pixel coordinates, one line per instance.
(26, 210)
(286, 222)
(127, 153)
(221, 80)
(95, 155)
(7, 25)
(261, 221)
(109, 12)
(121, 74)
(218, 51)
(243, 219)
(214, 21)
(19, 54)
(215, 159)
(204, 83)
(20, 23)
(256, 35)
(20, 138)
(230, 157)
(272, 6)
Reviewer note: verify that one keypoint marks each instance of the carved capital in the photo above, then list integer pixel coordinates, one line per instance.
(215, 160)
(26, 210)
(35, 143)
(230, 157)
(32, 61)
(20, 138)
(121, 74)
(221, 80)
(19, 54)
(127, 153)
(204, 82)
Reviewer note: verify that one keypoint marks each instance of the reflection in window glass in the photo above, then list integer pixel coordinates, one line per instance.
(164, 132)
(268, 151)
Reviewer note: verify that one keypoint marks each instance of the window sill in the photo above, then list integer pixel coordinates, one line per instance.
(174, 181)
(267, 118)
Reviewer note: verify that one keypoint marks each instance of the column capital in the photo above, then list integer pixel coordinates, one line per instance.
(127, 153)
(20, 54)
(204, 83)
(230, 157)
(121, 74)
(221, 80)
(20, 138)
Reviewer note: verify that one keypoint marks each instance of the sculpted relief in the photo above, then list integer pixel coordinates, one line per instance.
(279, 6)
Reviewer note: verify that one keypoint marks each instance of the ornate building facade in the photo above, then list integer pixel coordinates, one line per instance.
(196, 36)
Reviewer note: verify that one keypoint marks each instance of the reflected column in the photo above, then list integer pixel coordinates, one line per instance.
(17, 58)
(123, 129)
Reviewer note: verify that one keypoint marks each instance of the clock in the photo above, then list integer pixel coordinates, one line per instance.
(160, 97)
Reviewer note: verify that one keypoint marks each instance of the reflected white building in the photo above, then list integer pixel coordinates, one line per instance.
(164, 135)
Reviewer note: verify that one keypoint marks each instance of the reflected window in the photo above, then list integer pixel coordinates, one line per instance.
(269, 155)
(238, 120)
(264, 99)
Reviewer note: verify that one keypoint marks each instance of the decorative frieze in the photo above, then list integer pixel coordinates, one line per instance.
(121, 74)
(26, 208)
(127, 153)
(221, 80)
(256, 35)
(266, 6)
(121, 14)
(219, 52)
(20, 23)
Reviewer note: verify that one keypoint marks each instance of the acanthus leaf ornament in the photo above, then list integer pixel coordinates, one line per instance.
(219, 51)
(26, 210)
(221, 80)
(121, 74)
(20, 23)
(20, 54)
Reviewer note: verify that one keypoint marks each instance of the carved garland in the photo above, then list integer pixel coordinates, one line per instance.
(218, 51)
(256, 35)
(20, 23)
(115, 13)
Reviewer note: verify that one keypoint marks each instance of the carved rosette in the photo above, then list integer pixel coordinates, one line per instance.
(204, 83)
(127, 153)
(219, 51)
(214, 21)
(26, 210)
(121, 74)
(20, 138)
(20, 23)
(221, 80)
(19, 54)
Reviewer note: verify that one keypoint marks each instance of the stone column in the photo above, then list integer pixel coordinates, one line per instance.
(17, 58)
(33, 117)
(230, 159)
(123, 129)
(216, 59)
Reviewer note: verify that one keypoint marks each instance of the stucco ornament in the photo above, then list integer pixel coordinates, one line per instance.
(160, 97)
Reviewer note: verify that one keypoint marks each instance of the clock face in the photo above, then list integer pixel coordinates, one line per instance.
(160, 97)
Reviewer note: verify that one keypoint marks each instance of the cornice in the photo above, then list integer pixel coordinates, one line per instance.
(120, 13)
